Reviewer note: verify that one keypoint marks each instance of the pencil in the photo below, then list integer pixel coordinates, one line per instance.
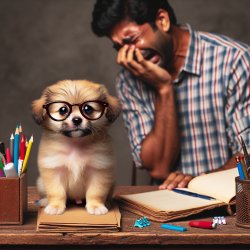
(11, 146)
(20, 129)
(16, 149)
(246, 156)
(8, 156)
(2, 173)
(22, 147)
(244, 167)
(2, 148)
(24, 167)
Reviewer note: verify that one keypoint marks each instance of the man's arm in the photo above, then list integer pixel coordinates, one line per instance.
(160, 149)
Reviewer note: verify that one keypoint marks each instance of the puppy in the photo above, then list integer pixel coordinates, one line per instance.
(75, 159)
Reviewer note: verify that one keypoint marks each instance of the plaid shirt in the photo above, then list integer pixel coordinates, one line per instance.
(213, 101)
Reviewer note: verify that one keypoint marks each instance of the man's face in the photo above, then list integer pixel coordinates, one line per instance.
(154, 44)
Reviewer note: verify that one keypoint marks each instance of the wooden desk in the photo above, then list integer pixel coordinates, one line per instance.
(25, 237)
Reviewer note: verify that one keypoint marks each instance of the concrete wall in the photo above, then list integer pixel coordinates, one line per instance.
(43, 41)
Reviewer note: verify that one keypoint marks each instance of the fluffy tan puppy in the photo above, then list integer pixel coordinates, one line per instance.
(75, 158)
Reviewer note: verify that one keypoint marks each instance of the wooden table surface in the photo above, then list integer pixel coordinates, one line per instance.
(130, 237)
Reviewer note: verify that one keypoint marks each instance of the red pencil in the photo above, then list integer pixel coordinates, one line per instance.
(22, 147)
(8, 155)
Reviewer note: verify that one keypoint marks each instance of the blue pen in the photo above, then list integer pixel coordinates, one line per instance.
(240, 168)
(173, 227)
(185, 192)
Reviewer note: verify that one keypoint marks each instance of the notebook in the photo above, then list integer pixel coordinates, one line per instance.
(77, 219)
(165, 205)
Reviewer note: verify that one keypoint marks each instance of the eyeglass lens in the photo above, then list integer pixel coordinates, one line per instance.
(90, 110)
(59, 111)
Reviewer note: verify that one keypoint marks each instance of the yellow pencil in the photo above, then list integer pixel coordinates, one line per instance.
(24, 167)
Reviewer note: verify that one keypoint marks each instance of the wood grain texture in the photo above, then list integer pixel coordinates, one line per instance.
(130, 237)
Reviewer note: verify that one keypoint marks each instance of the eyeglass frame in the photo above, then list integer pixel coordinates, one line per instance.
(46, 107)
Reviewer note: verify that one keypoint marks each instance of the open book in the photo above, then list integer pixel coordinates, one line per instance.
(165, 205)
(77, 219)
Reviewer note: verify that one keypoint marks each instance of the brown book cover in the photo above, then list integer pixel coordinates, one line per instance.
(77, 219)
(166, 205)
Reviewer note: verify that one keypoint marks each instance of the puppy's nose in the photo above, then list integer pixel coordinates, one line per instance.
(77, 120)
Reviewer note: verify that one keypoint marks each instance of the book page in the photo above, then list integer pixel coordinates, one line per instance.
(167, 201)
(219, 185)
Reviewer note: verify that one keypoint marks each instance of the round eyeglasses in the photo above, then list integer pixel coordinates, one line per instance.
(60, 110)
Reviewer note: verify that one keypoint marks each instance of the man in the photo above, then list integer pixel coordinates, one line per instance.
(185, 94)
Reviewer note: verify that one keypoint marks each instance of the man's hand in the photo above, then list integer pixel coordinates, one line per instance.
(132, 59)
(176, 180)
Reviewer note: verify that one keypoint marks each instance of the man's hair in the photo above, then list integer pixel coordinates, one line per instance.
(107, 13)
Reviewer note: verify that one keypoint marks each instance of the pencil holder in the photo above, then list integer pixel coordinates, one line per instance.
(13, 199)
(242, 203)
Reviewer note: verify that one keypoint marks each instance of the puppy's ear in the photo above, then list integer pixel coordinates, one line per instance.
(114, 108)
(38, 111)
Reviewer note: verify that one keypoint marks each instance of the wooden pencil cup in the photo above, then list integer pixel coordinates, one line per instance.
(13, 199)
(242, 203)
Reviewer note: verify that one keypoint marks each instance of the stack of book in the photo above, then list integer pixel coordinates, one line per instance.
(77, 219)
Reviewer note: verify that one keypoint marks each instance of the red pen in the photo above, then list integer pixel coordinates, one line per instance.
(203, 224)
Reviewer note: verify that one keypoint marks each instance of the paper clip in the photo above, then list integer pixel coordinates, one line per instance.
(215, 220)
(220, 220)
(223, 220)
(142, 222)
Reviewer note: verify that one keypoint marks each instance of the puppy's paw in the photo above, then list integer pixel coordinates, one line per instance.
(97, 210)
(49, 209)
